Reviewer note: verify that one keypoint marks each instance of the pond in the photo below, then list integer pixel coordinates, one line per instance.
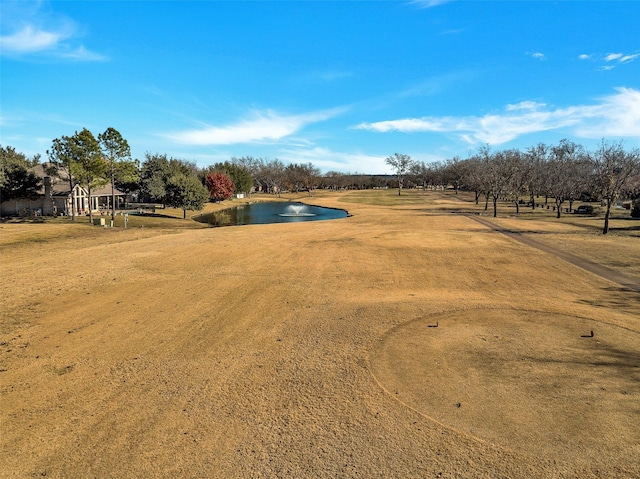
(270, 212)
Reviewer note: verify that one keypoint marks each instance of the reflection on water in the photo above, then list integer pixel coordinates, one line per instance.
(270, 212)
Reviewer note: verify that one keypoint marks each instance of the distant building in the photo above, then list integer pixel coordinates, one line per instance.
(55, 198)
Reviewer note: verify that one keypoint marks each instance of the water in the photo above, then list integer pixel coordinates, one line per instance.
(270, 212)
(297, 210)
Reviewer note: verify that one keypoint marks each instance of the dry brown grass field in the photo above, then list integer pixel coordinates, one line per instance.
(407, 340)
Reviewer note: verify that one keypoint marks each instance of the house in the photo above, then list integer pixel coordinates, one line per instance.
(56, 197)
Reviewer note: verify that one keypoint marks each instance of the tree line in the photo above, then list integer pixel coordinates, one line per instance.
(94, 162)
(565, 173)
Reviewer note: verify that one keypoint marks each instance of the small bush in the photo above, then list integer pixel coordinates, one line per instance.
(221, 218)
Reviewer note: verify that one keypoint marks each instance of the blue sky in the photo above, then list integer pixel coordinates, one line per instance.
(340, 84)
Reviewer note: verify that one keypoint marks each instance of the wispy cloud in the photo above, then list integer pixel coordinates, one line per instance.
(331, 76)
(329, 160)
(537, 55)
(428, 3)
(27, 31)
(267, 126)
(323, 76)
(610, 60)
(435, 84)
(612, 56)
(628, 58)
(615, 115)
(81, 54)
(526, 105)
(29, 39)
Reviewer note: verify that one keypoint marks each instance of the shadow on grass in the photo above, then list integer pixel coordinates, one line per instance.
(513, 231)
(36, 220)
(615, 297)
(153, 215)
(622, 361)
(627, 228)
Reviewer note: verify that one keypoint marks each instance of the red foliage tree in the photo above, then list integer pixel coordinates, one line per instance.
(220, 186)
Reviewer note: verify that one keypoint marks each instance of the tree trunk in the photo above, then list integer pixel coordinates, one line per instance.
(533, 201)
(90, 205)
(495, 206)
(184, 214)
(486, 202)
(558, 208)
(113, 197)
(477, 196)
(605, 229)
(517, 207)
(73, 200)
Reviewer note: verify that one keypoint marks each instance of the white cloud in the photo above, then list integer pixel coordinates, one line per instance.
(410, 125)
(81, 54)
(29, 39)
(526, 105)
(618, 58)
(615, 115)
(538, 55)
(260, 127)
(428, 3)
(328, 160)
(322, 76)
(611, 60)
(628, 58)
(28, 30)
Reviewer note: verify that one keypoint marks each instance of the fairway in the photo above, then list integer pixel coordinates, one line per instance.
(305, 349)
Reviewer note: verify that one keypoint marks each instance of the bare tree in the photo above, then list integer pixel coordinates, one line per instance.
(518, 176)
(310, 177)
(402, 165)
(455, 172)
(614, 168)
(535, 159)
(565, 166)
(272, 173)
(498, 173)
(474, 176)
(420, 172)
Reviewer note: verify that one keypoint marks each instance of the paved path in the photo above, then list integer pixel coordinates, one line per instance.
(595, 268)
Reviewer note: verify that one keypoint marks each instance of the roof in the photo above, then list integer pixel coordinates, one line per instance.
(60, 183)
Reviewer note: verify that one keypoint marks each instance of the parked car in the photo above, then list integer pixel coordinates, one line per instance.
(584, 210)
